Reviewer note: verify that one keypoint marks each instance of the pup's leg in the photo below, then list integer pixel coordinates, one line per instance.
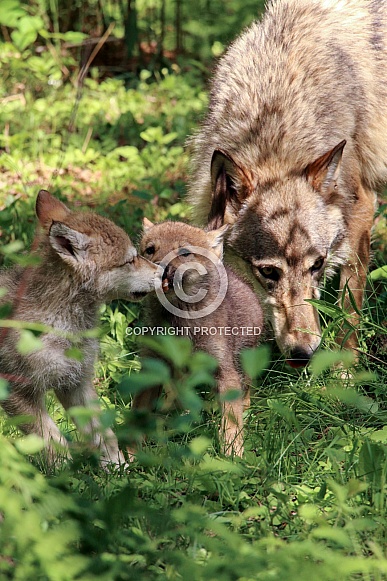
(23, 404)
(86, 396)
(231, 428)
(147, 399)
(354, 272)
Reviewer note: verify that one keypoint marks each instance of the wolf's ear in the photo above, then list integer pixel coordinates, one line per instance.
(49, 209)
(215, 239)
(230, 186)
(70, 244)
(147, 224)
(322, 174)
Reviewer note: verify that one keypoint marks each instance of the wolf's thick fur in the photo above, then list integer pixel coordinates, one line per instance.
(85, 261)
(239, 311)
(286, 98)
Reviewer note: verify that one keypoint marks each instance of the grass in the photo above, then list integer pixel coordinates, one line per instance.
(307, 501)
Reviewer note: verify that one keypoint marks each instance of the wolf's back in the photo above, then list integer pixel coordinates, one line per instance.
(291, 87)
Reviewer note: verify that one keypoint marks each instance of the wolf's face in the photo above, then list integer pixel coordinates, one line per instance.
(186, 253)
(290, 232)
(96, 253)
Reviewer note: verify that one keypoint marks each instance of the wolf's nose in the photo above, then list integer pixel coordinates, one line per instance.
(299, 357)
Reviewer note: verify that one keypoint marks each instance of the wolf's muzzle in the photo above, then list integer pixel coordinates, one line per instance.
(299, 357)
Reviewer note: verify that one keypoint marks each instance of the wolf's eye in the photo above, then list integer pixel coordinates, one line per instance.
(184, 252)
(150, 250)
(317, 265)
(269, 272)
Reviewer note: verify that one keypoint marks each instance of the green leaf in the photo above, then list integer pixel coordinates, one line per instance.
(178, 350)
(28, 343)
(324, 360)
(71, 36)
(351, 397)
(12, 248)
(27, 31)
(31, 444)
(379, 435)
(4, 389)
(199, 445)
(255, 361)
(327, 308)
(371, 461)
(230, 395)
(379, 273)
(212, 465)
(74, 353)
(10, 12)
(353, 302)
(336, 535)
(143, 195)
(153, 373)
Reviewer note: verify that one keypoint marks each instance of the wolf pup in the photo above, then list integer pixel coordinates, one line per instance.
(85, 261)
(193, 279)
(290, 153)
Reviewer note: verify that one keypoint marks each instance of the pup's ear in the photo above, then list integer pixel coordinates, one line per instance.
(215, 239)
(71, 245)
(230, 186)
(147, 224)
(49, 209)
(323, 173)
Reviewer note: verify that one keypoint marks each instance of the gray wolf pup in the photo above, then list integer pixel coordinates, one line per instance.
(291, 151)
(85, 261)
(223, 330)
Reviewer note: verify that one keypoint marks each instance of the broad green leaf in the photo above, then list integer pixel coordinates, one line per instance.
(379, 435)
(324, 360)
(255, 361)
(199, 445)
(74, 353)
(31, 444)
(28, 343)
(10, 12)
(379, 273)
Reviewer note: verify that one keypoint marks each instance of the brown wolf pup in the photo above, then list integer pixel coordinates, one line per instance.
(191, 259)
(85, 261)
(290, 153)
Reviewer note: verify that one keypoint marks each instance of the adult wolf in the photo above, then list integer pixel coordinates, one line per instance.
(292, 148)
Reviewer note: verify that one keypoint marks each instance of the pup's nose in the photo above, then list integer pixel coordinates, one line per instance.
(299, 357)
(167, 278)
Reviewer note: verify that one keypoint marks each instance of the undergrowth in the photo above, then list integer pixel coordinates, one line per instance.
(308, 499)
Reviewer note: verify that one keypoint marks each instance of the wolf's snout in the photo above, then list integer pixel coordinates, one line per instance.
(167, 277)
(299, 357)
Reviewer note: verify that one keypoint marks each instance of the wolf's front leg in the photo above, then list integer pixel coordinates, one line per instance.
(353, 273)
(103, 439)
(231, 428)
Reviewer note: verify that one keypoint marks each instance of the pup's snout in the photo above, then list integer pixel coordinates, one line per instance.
(299, 357)
(167, 278)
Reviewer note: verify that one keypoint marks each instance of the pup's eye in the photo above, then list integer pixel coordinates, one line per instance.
(317, 265)
(150, 250)
(184, 252)
(269, 272)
